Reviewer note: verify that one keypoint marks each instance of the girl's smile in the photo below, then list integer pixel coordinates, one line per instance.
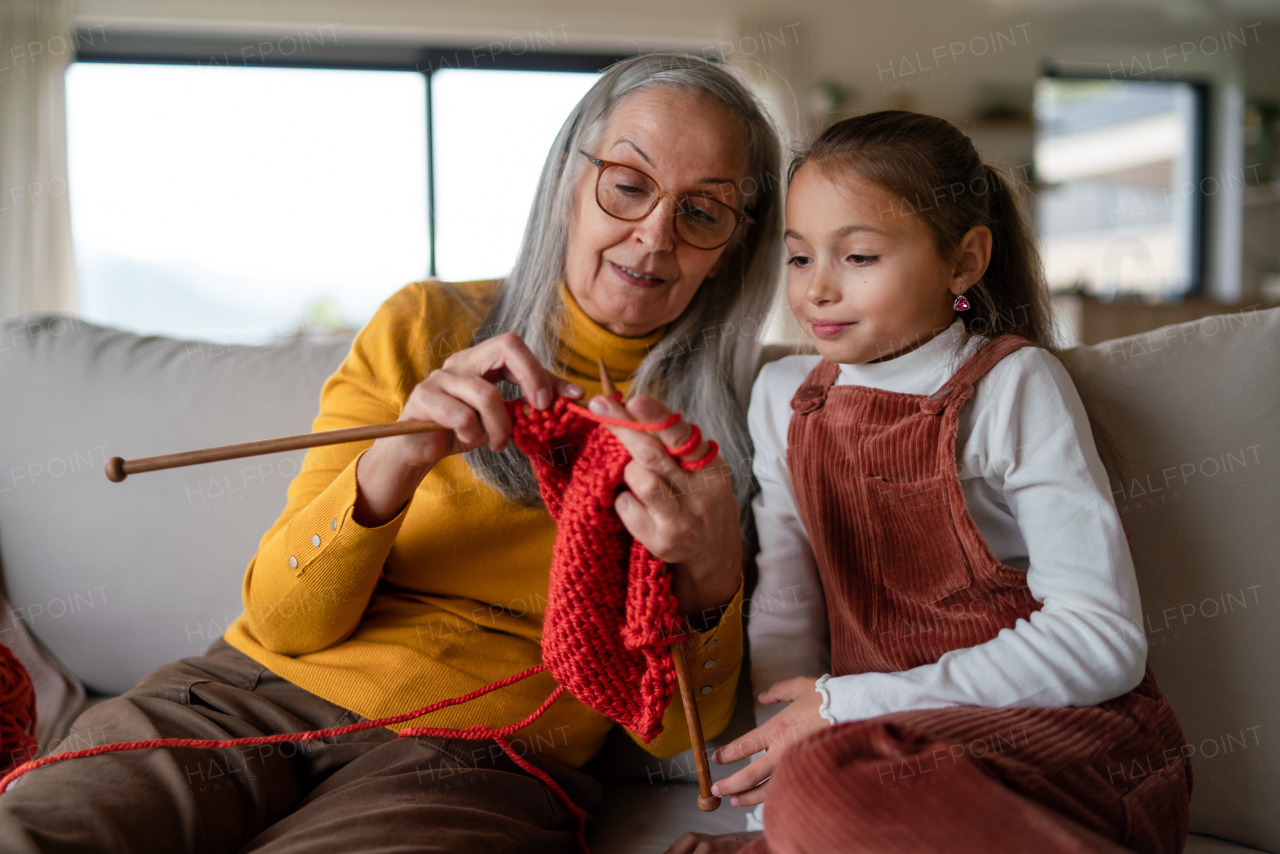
(828, 328)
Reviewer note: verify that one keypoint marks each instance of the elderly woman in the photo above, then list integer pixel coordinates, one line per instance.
(415, 568)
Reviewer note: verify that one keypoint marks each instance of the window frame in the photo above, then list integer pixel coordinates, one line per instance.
(1201, 93)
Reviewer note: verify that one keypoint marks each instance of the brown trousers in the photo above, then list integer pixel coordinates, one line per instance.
(367, 791)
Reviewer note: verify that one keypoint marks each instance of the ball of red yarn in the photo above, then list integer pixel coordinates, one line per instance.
(17, 711)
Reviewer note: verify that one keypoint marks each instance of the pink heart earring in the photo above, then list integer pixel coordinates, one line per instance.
(961, 304)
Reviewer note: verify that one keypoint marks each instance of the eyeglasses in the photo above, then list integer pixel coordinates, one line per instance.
(704, 222)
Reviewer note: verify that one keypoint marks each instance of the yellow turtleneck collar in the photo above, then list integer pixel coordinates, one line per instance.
(582, 340)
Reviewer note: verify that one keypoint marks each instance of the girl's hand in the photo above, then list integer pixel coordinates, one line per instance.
(702, 843)
(746, 787)
(688, 519)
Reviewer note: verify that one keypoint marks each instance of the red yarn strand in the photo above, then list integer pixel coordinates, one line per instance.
(310, 735)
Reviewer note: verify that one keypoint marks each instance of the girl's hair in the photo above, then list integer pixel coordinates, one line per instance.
(708, 376)
(934, 173)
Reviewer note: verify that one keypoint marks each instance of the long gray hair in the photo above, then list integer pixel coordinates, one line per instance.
(704, 365)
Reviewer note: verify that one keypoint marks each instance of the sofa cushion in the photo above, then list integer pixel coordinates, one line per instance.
(1195, 411)
(118, 578)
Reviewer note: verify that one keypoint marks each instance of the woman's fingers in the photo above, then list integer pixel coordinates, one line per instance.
(489, 422)
(427, 403)
(649, 448)
(636, 514)
(652, 489)
(462, 395)
(573, 391)
(645, 408)
(653, 513)
(507, 357)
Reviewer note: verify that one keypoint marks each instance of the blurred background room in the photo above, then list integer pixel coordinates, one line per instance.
(241, 172)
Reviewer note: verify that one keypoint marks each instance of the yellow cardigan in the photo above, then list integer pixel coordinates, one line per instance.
(450, 594)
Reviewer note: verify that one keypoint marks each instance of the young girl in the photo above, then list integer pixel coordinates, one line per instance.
(938, 534)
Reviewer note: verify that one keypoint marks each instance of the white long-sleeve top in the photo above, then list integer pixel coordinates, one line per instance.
(1039, 495)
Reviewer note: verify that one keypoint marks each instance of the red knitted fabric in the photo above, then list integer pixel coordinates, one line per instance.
(17, 707)
(610, 611)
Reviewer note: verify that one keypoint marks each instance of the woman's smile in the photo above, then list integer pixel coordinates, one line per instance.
(636, 276)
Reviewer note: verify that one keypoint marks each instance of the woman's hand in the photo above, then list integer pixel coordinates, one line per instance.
(746, 787)
(702, 843)
(688, 519)
(463, 396)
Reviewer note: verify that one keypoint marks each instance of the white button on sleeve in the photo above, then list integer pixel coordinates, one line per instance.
(293, 562)
(333, 524)
(709, 663)
(706, 689)
(315, 539)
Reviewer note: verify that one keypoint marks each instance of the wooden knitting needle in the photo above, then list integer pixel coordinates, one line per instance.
(706, 801)
(118, 469)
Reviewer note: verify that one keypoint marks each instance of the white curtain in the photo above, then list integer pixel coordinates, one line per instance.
(37, 272)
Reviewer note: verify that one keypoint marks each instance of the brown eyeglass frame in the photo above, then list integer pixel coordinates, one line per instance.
(605, 164)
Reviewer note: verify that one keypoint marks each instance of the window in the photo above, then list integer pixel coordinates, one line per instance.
(492, 131)
(1119, 209)
(236, 204)
(245, 203)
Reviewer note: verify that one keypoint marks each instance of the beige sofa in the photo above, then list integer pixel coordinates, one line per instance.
(107, 581)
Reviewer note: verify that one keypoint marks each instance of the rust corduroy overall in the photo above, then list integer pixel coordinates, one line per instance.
(908, 577)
